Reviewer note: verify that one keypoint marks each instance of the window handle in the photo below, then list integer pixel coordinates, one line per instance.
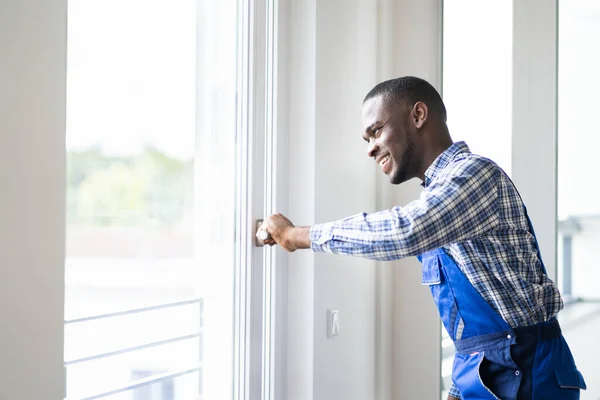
(260, 235)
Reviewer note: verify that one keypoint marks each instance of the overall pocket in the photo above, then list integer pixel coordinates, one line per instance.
(567, 374)
(465, 375)
(555, 374)
(489, 374)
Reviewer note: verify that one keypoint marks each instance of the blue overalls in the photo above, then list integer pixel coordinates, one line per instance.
(493, 360)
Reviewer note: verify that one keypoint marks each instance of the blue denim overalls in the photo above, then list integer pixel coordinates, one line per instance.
(540, 365)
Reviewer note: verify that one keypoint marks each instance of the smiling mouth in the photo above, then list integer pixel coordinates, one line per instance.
(384, 160)
(386, 164)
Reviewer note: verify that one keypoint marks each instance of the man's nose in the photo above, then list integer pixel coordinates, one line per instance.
(372, 148)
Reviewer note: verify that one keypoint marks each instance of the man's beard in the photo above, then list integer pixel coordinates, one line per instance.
(406, 169)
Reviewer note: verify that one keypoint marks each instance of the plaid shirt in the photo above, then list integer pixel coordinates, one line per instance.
(470, 208)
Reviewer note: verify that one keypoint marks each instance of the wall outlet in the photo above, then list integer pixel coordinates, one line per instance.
(333, 322)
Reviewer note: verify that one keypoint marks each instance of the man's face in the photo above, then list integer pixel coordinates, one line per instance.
(391, 137)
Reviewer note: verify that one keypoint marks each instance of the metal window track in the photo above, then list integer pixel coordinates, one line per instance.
(134, 348)
(133, 311)
(140, 383)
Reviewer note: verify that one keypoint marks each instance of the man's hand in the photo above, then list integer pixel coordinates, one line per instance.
(285, 234)
(453, 398)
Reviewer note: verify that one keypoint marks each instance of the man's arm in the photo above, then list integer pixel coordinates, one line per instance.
(458, 205)
(455, 207)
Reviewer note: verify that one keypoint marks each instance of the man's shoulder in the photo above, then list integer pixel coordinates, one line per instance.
(471, 164)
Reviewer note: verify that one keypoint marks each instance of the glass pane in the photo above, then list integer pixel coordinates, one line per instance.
(167, 389)
(477, 91)
(578, 205)
(477, 76)
(151, 106)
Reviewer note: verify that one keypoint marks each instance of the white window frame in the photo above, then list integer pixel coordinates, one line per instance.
(535, 104)
(259, 332)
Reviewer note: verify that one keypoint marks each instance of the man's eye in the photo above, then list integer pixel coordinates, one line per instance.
(376, 132)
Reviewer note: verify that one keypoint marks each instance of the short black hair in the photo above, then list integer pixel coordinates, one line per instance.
(410, 89)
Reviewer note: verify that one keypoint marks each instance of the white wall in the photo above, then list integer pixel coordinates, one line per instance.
(410, 40)
(320, 139)
(390, 333)
(331, 57)
(344, 366)
(301, 208)
(32, 181)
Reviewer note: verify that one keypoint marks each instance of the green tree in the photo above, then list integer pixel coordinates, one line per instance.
(147, 189)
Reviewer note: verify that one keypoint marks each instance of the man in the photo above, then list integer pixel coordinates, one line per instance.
(478, 250)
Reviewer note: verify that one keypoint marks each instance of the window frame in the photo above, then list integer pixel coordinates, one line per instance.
(255, 277)
(258, 318)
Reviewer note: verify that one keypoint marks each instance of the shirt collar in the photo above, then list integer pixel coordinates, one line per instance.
(443, 159)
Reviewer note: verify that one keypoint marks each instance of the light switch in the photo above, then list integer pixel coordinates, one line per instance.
(333, 322)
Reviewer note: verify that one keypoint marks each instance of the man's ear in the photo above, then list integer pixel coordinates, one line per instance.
(419, 114)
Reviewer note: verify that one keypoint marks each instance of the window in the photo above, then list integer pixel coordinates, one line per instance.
(133, 274)
(477, 76)
(163, 390)
(158, 237)
(578, 205)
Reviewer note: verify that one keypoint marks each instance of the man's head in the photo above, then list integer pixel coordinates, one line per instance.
(404, 122)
